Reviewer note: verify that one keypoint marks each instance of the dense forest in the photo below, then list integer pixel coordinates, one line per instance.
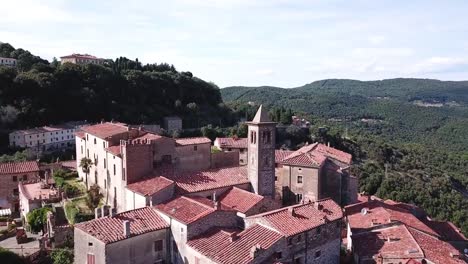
(408, 137)
(38, 92)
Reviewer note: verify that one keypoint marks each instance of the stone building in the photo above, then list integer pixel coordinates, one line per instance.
(315, 172)
(172, 123)
(12, 173)
(9, 62)
(212, 215)
(81, 59)
(384, 231)
(233, 144)
(33, 194)
(46, 138)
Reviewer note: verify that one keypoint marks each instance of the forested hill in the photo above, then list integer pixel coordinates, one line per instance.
(38, 92)
(404, 110)
(408, 137)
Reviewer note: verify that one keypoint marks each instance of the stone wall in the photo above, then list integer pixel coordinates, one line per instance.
(193, 157)
(224, 159)
(138, 158)
(8, 187)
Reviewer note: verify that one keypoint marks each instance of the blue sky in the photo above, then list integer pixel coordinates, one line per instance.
(247, 42)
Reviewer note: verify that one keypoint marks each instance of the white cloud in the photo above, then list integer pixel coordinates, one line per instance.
(439, 64)
(376, 40)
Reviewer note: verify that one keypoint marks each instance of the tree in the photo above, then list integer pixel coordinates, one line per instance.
(93, 197)
(9, 257)
(62, 256)
(85, 165)
(37, 218)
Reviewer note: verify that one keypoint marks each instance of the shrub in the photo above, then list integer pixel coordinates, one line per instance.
(93, 197)
(62, 256)
(70, 190)
(37, 218)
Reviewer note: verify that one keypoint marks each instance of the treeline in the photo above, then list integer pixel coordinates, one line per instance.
(40, 93)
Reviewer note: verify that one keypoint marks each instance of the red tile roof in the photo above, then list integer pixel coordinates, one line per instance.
(402, 245)
(81, 56)
(148, 136)
(237, 143)
(186, 209)
(150, 186)
(334, 153)
(296, 219)
(217, 245)
(110, 229)
(447, 230)
(190, 182)
(435, 250)
(69, 164)
(19, 167)
(315, 155)
(281, 154)
(192, 141)
(80, 134)
(114, 150)
(379, 212)
(105, 130)
(240, 200)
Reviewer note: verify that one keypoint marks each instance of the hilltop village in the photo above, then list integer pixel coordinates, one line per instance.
(166, 200)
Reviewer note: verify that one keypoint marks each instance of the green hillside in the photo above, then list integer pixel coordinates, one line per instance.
(408, 137)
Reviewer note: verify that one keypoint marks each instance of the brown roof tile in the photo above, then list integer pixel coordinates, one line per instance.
(19, 167)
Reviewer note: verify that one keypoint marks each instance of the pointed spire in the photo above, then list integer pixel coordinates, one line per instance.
(261, 116)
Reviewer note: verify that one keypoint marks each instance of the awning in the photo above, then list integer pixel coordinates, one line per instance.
(4, 212)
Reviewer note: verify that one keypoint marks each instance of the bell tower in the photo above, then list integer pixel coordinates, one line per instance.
(261, 153)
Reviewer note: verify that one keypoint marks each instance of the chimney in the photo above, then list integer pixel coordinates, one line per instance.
(291, 211)
(103, 211)
(97, 213)
(102, 121)
(328, 144)
(318, 206)
(126, 228)
(255, 251)
(233, 237)
(112, 212)
(217, 205)
(214, 197)
(46, 177)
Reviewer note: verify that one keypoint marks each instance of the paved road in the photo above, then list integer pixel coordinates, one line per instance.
(22, 249)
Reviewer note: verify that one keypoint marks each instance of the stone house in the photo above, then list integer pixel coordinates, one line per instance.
(33, 194)
(315, 172)
(9, 62)
(234, 144)
(81, 59)
(11, 174)
(136, 236)
(384, 231)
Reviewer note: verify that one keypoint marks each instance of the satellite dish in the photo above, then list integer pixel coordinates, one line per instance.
(364, 211)
(465, 250)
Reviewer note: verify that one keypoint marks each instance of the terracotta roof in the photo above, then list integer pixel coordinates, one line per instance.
(69, 164)
(192, 141)
(379, 212)
(110, 229)
(105, 130)
(402, 245)
(334, 153)
(81, 56)
(237, 143)
(185, 209)
(148, 136)
(19, 167)
(114, 150)
(80, 134)
(190, 182)
(150, 186)
(296, 219)
(217, 245)
(435, 250)
(305, 156)
(240, 200)
(281, 154)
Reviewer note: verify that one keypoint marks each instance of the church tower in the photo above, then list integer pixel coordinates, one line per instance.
(261, 153)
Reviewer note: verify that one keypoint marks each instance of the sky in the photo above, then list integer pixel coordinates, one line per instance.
(283, 43)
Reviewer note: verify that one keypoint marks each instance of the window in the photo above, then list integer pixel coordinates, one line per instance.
(299, 179)
(25, 177)
(15, 178)
(104, 163)
(114, 169)
(90, 244)
(104, 144)
(289, 242)
(158, 245)
(105, 184)
(87, 138)
(298, 197)
(318, 253)
(90, 259)
(15, 191)
(123, 174)
(278, 255)
(195, 148)
(87, 153)
(299, 238)
(266, 137)
(95, 141)
(81, 149)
